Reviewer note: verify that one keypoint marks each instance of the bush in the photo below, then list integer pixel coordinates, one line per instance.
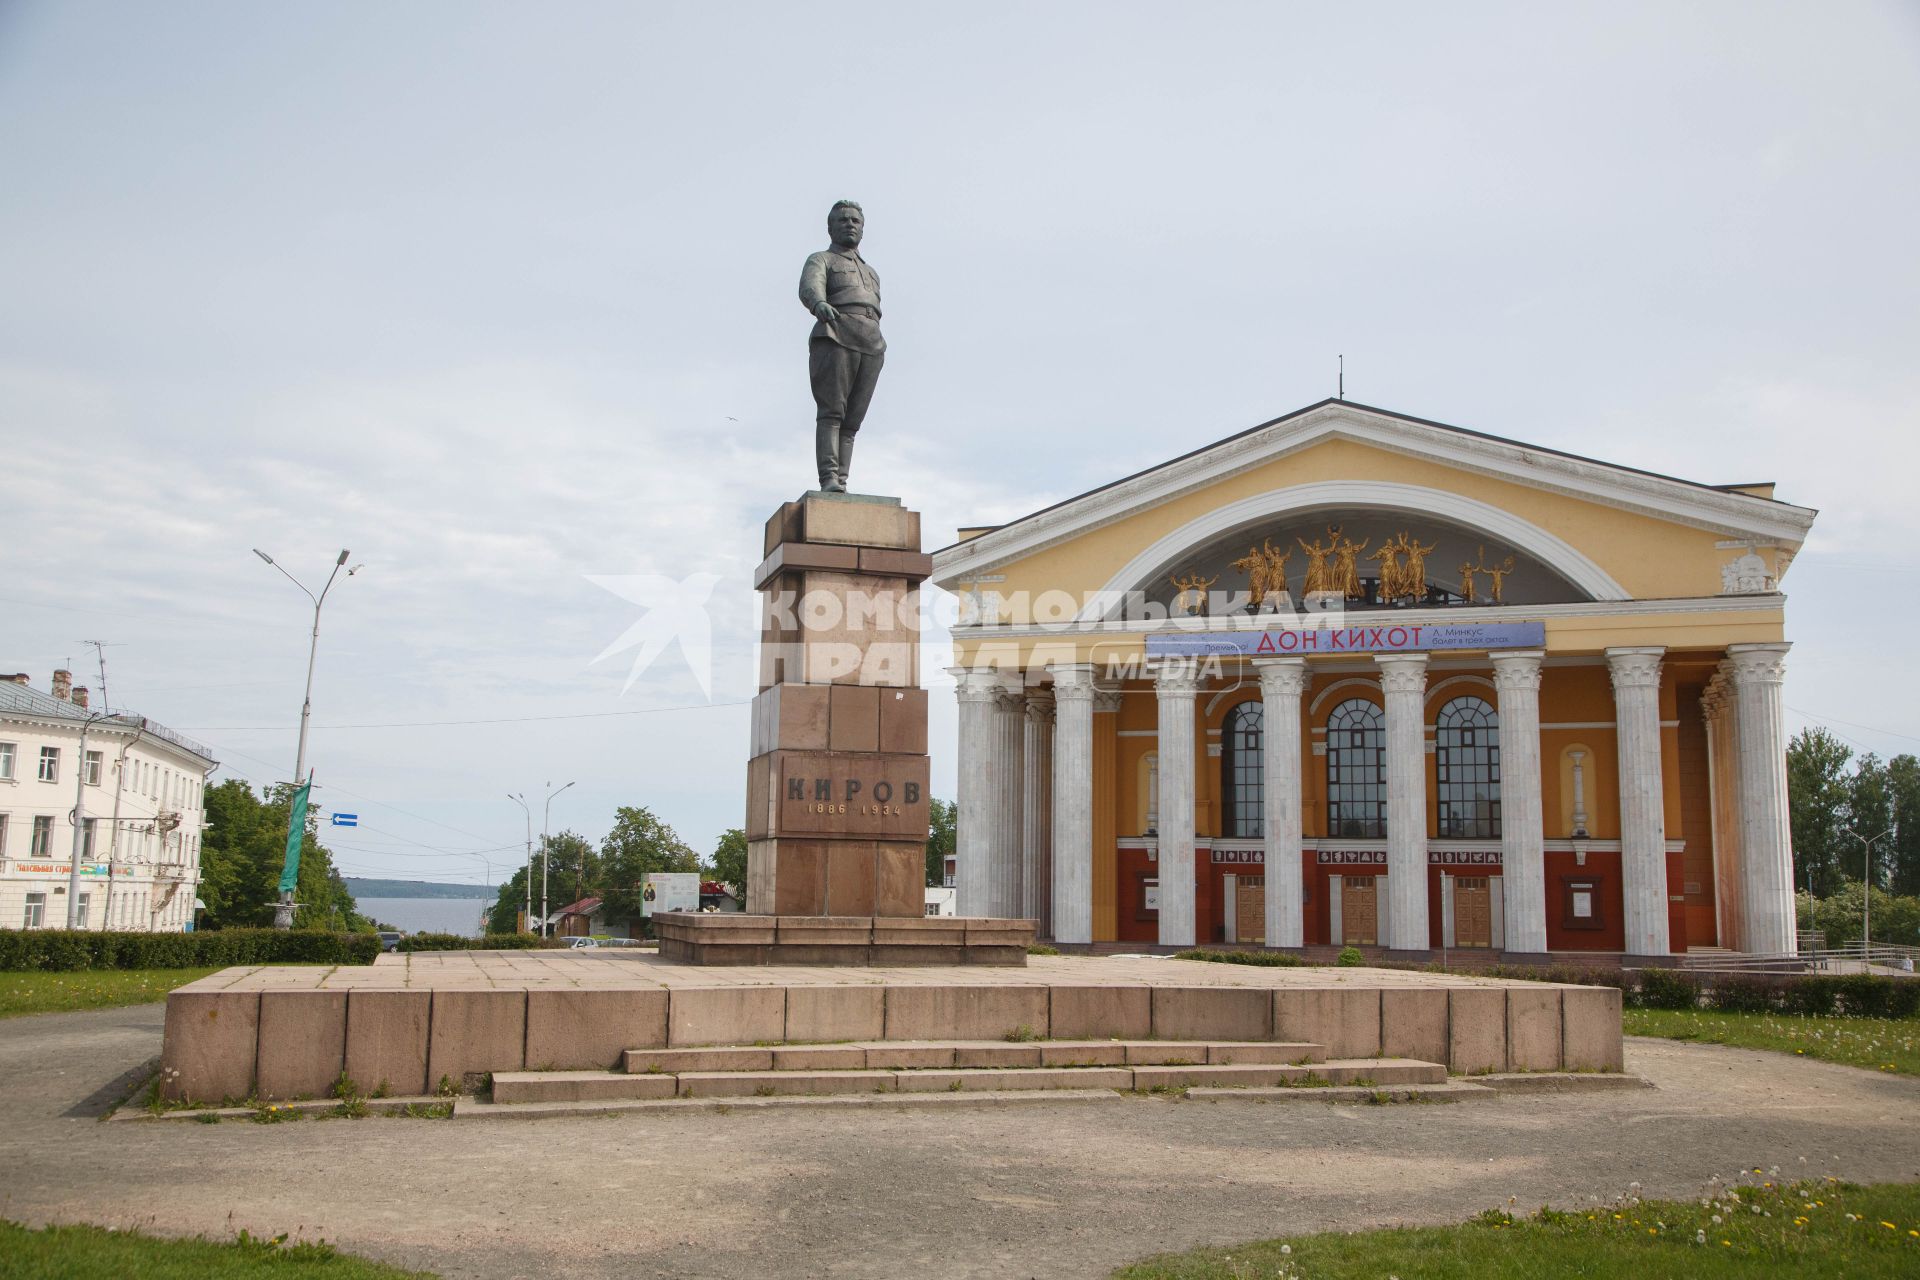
(1268, 959)
(486, 942)
(1665, 989)
(64, 951)
(1350, 956)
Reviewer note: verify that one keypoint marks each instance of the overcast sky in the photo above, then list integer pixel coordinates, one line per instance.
(501, 297)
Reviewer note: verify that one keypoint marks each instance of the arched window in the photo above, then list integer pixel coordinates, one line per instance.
(1467, 759)
(1242, 762)
(1356, 770)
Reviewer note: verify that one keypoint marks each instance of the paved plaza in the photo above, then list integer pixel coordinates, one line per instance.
(1054, 1189)
(618, 970)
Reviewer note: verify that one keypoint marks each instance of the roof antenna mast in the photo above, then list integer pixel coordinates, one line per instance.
(100, 648)
(1343, 377)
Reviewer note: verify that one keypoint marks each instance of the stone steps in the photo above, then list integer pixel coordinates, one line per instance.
(920, 1055)
(752, 1074)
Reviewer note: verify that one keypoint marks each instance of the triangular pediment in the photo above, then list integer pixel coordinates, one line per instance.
(1584, 522)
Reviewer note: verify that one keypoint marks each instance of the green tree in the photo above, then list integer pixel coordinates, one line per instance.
(572, 872)
(942, 817)
(729, 864)
(638, 845)
(1903, 781)
(242, 854)
(1817, 801)
(1869, 819)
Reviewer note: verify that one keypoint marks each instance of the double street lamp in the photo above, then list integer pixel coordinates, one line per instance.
(1866, 887)
(546, 822)
(283, 909)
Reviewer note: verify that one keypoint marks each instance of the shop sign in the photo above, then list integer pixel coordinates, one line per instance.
(1387, 638)
(59, 868)
(1463, 857)
(1350, 857)
(1248, 857)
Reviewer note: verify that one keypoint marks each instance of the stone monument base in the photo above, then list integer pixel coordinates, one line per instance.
(733, 938)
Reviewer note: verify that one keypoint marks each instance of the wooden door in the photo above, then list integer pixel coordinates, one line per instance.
(1472, 912)
(1359, 910)
(1250, 909)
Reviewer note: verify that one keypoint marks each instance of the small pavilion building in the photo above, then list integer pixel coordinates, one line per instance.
(1352, 677)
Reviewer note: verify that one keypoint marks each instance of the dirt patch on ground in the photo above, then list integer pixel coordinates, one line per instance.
(1062, 1190)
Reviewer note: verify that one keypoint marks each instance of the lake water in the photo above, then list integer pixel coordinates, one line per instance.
(428, 915)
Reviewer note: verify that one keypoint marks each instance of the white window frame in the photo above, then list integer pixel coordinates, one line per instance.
(82, 901)
(3, 835)
(35, 915)
(88, 828)
(96, 763)
(42, 824)
(49, 764)
(8, 752)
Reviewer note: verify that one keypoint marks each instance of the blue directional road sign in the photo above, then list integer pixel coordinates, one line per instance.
(346, 819)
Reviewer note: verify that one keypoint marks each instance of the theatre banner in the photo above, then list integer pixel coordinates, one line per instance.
(1386, 637)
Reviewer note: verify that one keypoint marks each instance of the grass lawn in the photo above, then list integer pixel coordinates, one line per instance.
(1879, 1044)
(86, 1252)
(89, 988)
(1805, 1229)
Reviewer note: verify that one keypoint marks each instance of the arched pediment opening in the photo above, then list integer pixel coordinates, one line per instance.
(1459, 538)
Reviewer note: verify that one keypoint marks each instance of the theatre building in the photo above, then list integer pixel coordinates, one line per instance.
(1356, 677)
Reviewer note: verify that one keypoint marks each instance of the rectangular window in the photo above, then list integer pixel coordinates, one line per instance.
(49, 764)
(6, 761)
(42, 837)
(94, 763)
(81, 903)
(36, 916)
(3, 835)
(87, 828)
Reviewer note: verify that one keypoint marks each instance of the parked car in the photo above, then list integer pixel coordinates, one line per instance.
(579, 944)
(390, 939)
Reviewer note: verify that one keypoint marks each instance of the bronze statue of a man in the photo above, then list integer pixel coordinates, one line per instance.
(845, 349)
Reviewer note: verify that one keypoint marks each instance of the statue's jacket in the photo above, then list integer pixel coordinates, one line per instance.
(853, 287)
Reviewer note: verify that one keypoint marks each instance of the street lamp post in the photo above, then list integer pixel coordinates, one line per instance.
(546, 824)
(283, 909)
(1866, 887)
(527, 915)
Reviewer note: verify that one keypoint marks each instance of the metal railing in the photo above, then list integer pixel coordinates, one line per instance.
(1853, 958)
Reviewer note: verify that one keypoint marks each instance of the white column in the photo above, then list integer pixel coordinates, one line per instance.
(1036, 808)
(1766, 842)
(1643, 824)
(1175, 684)
(1403, 679)
(1073, 803)
(1009, 792)
(978, 691)
(1522, 823)
(1282, 681)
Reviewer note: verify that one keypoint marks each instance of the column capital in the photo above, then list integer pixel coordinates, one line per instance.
(1040, 706)
(1637, 667)
(1402, 672)
(1072, 680)
(1758, 663)
(1281, 677)
(1177, 678)
(1517, 669)
(1105, 701)
(975, 684)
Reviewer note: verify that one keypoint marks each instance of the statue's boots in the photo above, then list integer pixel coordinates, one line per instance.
(826, 451)
(846, 457)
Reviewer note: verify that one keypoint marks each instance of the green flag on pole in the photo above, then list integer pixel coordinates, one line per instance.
(296, 832)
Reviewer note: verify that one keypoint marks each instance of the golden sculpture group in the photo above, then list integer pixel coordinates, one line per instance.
(1333, 569)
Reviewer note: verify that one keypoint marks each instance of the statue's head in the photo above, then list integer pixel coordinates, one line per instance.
(845, 223)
